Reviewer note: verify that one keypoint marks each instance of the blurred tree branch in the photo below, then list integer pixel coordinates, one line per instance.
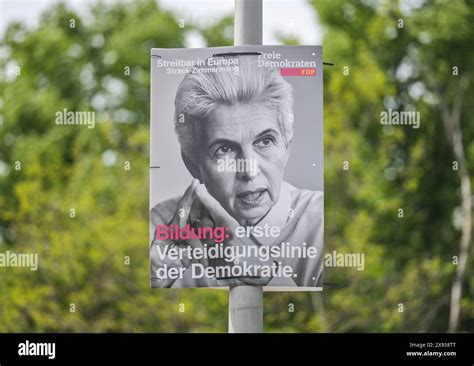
(452, 121)
(451, 118)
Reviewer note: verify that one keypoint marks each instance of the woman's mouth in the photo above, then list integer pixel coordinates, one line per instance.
(252, 198)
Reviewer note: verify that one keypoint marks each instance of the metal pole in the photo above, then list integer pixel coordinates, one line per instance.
(248, 22)
(245, 309)
(246, 302)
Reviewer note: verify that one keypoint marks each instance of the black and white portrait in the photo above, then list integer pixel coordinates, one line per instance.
(237, 167)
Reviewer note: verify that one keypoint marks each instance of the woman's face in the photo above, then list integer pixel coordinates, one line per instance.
(242, 159)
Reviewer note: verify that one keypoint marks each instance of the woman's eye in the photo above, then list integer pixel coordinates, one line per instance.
(224, 150)
(266, 141)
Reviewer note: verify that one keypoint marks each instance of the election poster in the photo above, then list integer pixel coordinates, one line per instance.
(236, 168)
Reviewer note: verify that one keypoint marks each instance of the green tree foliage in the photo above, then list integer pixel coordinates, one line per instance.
(220, 33)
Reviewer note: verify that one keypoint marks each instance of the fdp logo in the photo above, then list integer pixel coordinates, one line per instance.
(298, 71)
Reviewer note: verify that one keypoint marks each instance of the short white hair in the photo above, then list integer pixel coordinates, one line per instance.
(201, 93)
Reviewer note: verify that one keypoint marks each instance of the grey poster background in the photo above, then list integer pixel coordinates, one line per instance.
(305, 168)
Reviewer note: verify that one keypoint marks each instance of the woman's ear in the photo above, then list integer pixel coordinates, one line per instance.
(191, 166)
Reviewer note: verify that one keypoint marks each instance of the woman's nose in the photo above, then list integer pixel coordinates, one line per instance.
(249, 166)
